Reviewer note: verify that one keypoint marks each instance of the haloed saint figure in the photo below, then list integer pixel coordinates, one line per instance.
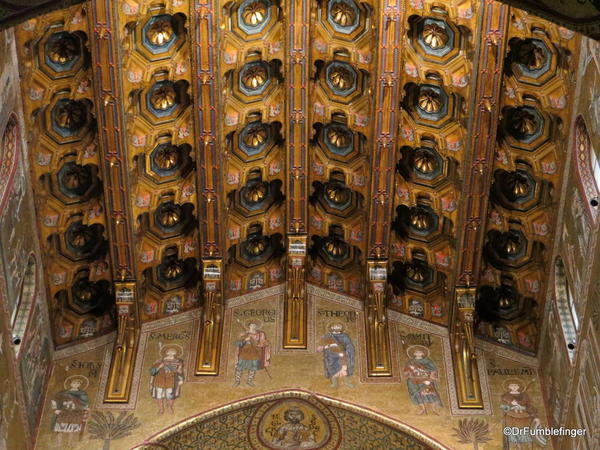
(166, 377)
(421, 376)
(70, 407)
(519, 412)
(338, 355)
(253, 353)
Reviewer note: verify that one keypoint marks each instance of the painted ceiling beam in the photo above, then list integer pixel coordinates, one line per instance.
(297, 76)
(386, 121)
(210, 200)
(106, 54)
(478, 178)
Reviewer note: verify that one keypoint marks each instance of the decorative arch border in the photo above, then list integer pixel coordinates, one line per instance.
(581, 153)
(10, 149)
(561, 289)
(152, 442)
(24, 312)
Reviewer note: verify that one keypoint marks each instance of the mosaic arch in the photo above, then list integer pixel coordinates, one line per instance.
(9, 156)
(582, 153)
(290, 419)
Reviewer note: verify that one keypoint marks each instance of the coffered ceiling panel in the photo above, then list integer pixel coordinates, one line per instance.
(231, 130)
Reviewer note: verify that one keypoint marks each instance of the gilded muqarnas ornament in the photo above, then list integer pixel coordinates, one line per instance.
(173, 270)
(256, 246)
(81, 237)
(531, 56)
(255, 193)
(77, 178)
(343, 14)
(255, 137)
(254, 13)
(64, 49)
(420, 220)
(84, 293)
(505, 300)
(429, 101)
(339, 136)
(415, 273)
(335, 247)
(167, 158)
(341, 78)
(337, 194)
(524, 122)
(255, 77)
(70, 115)
(424, 161)
(511, 247)
(434, 36)
(517, 184)
(163, 98)
(160, 32)
(170, 216)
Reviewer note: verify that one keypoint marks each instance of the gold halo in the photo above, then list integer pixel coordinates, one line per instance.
(328, 326)
(417, 347)
(84, 383)
(177, 347)
(258, 323)
(513, 380)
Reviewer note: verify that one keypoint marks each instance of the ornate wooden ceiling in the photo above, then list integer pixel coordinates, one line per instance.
(407, 153)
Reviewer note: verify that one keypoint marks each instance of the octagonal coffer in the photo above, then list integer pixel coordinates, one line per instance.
(81, 242)
(74, 183)
(164, 97)
(70, 119)
(89, 297)
(333, 249)
(523, 123)
(429, 104)
(63, 50)
(159, 36)
(418, 221)
(517, 190)
(416, 275)
(435, 39)
(423, 165)
(256, 79)
(338, 141)
(169, 219)
(335, 197)
(172, 272)
(257, 248)
(532, 61)
(255, 140)
(257, 196)
(341, 78)
(166, 162)
(509, 250)
(341, 82)
(252, 19)
(343, 15)
(62, 54)
(502, 302)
